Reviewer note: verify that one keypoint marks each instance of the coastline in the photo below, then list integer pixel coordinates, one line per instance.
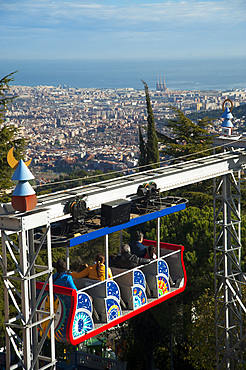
(210, 74)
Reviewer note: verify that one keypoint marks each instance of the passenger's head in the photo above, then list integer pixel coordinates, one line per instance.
(99, 261)
(100, 258)
(60, 266)
(126, 248)
(151, 252)
(138, 236)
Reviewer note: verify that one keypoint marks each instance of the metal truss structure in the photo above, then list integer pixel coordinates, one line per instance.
(228, 272)
(21, 269)
(19, 276)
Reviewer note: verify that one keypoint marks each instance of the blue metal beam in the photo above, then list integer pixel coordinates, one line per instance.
(133, 222)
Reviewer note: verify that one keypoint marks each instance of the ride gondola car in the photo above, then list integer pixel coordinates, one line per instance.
(99, 305)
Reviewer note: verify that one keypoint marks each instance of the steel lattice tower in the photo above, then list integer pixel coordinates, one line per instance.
(228, 273)
(19, 289)
(227, 258)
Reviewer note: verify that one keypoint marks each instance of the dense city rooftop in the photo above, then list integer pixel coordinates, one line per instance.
(70, 128)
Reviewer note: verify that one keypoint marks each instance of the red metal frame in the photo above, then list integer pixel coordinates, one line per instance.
(68, 292)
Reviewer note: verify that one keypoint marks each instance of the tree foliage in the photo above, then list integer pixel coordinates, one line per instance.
(149, 151)
(142, 161)
(4, 99)
(201, 333)
(188, 140)
(201, 341)
(186, 137)
(8, 134)
(238, 112)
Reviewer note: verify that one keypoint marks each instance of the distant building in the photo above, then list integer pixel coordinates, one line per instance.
(161, 85)
(58, 122)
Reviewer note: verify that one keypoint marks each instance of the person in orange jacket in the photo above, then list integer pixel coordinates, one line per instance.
(95, 271)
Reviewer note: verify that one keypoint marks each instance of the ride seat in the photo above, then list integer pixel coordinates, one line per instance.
(132, 286)
(105, 296)
(157, 277)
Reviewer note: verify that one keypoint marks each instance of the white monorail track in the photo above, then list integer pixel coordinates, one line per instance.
(125, 187)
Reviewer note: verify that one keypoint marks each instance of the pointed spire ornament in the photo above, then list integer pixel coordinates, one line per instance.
(22, 173)
(24, 197)
(227, 125)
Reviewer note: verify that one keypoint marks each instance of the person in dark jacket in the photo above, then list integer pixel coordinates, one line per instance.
(128, 260)
(136, 245)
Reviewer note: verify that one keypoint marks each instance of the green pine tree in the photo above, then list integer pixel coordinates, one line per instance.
(186, 137)
(8, 134)
(152, 141)
(142, 161)
(151, 150)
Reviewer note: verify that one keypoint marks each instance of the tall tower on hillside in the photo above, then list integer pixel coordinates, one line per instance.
(158, 83)
(161, 85)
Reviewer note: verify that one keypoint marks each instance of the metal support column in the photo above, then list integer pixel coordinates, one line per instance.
(25, 285)
(120, 241)
(33, 295)
(158, 237)
(67, 259)
(20, 272)
(106, 256)
(228, 273)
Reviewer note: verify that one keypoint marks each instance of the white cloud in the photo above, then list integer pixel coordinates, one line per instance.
(167, 11)
(200, 26)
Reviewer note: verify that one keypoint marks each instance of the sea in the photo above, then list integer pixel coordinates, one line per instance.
(190, 74)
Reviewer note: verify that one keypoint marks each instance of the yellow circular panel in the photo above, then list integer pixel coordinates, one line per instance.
(12, 161)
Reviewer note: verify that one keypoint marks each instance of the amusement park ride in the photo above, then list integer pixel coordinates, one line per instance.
(41, 310)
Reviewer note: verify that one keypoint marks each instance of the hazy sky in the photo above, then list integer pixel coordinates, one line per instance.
(137, 29)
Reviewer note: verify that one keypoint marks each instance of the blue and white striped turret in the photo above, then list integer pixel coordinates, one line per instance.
(227, 115)
(227, 124)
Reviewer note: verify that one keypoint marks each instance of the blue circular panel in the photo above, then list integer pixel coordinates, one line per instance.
(113, 290)
(163, 285)
(163, 268)
(139, 297)
(113, 309)
(82, 324)
(139, 278)
(84, 301)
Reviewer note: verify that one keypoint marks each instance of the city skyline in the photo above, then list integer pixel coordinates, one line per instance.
(107, 29)
(69, 128)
